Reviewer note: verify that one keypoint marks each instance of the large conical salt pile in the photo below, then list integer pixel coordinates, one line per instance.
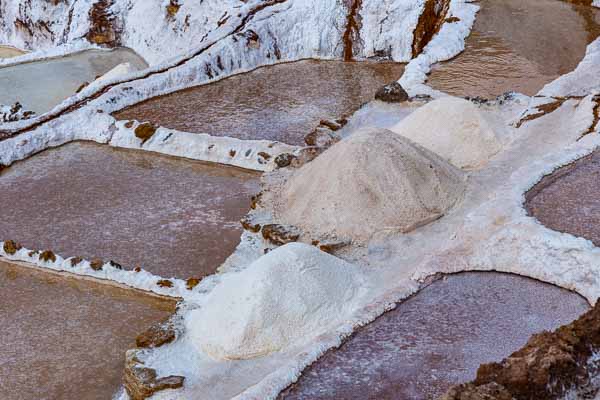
(454, 128)
(372, 181)
(294, 293)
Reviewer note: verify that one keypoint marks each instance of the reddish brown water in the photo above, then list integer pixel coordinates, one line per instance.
(518, 45)
(438, 338)
(174, 217)
(568, 200)
(65, 338)
(283, 102)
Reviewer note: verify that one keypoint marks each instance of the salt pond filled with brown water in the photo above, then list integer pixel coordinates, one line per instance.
(438, 338)
(65, 338)
(283, 102)
(568, 199)
(41, 85)
(174, 217)
(518, 45)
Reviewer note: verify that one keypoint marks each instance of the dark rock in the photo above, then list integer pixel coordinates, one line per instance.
(322, 137)
(115, 264)
(145, 131)
(284, 160)
(232, 153)
(469, 391)
(156, 336)
(141, 382)
(96, 264)
(280, 234)
(330, 246)
(129, 124)
(11, 247)
(191, 283)
(165, 283)
(255, 201)
(249, 225)
(452, 20)
(306, 155)
(392, 93)
(76, 261)
(172, 8)
(48, 256)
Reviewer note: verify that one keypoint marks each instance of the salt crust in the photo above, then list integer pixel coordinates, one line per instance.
(455, 129)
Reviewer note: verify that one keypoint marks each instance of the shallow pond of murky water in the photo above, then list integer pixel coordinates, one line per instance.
(438, 338)
(65, 338)
(40, 86)
(283, 102)
(518, 46)
(174, 217)
(568, 199)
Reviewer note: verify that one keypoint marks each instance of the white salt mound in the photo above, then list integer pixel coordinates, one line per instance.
(295, 292)
(119, 70)
(374, 180)
(454, 128)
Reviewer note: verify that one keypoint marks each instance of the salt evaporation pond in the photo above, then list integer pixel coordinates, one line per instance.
(567, 200)
(66, 338)
(9, 52)
(518, 45)
(283, 102)
(174, 217)
(438, 338)
(41, 85)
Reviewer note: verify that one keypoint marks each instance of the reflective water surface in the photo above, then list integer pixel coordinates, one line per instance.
(518, 46)
(283, 102)
(42, 85)
(65, 338)
(438, 338)
(568, 199)
(174, 217)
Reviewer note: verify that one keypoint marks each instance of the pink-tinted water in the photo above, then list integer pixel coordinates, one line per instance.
(174, 217)
(518, 45)
(438, 338)
(568, 199)
(65, 338)
(283, 102)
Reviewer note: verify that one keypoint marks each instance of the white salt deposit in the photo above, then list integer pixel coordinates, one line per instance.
(453, 128)
(372, 181)
(292, 294)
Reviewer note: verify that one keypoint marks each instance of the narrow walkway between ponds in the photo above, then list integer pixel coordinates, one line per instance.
(518, 45)
(568, 199)
(438, 338)
(66, 338)
(41, 85)
(284, 102)
(174, 217)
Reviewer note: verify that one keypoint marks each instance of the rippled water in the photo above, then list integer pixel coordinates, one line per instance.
(283, 102)
(174, 217)
(42, 85)
(438, 338)
(66, 338)
(567, 200)
(518, 46)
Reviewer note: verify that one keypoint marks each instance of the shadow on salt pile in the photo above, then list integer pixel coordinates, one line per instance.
(174, 217)
(438, 338)
(567, 200)
(42, 85)
(283, 102)
(520, 46)
(65, 338)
